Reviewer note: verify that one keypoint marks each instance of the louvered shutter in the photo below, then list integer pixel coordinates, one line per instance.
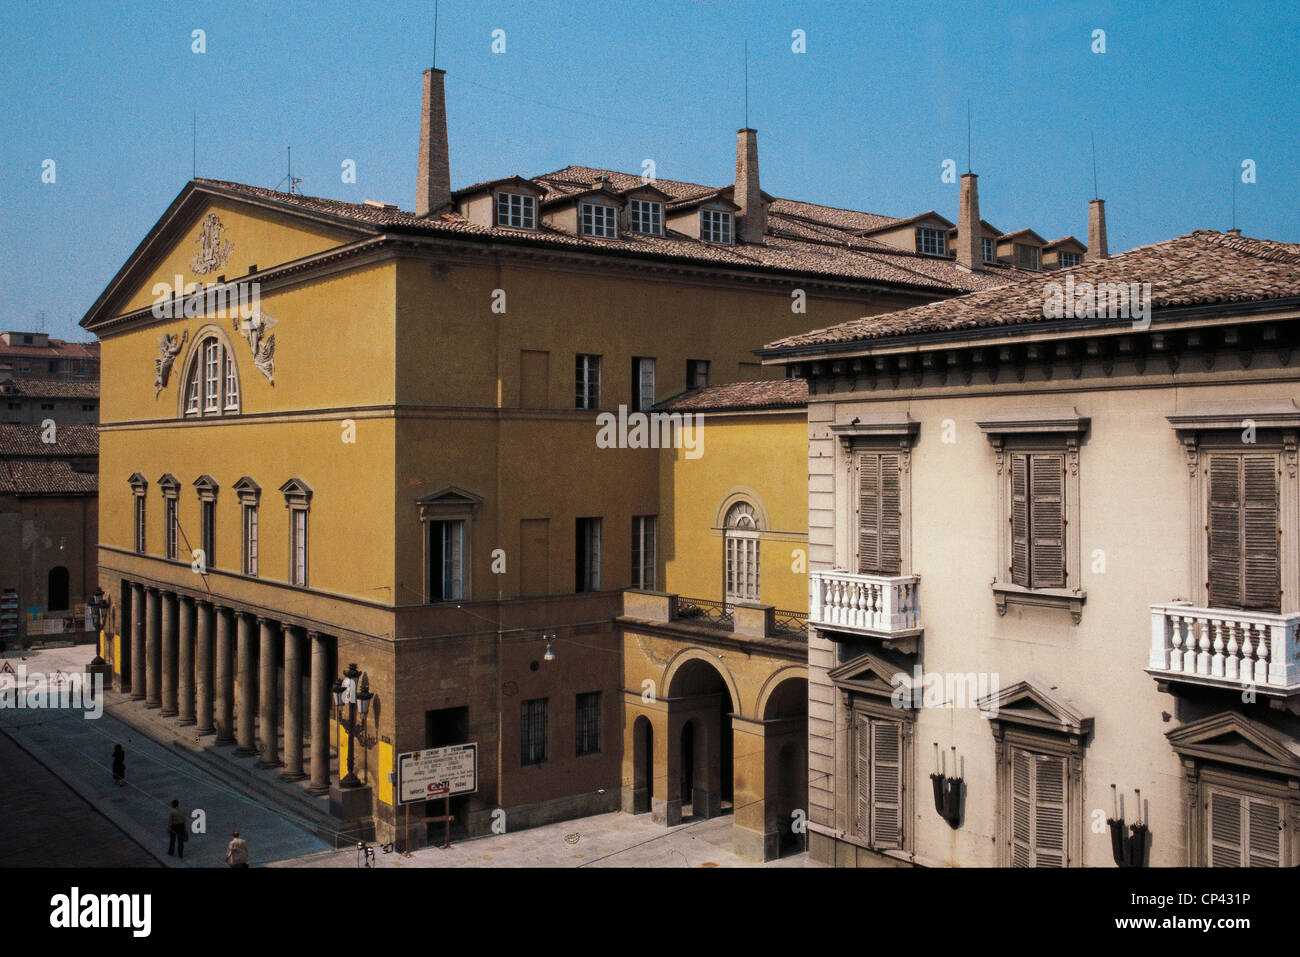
(1049, 811)
(886, 784)
(1047, 521)
(1265, 833)
(862, 756)
(1225, 531)
(1262, 579)
(1021, 804)
(868, 512)
(890, 516)
(1225, 829)
(1020, 520)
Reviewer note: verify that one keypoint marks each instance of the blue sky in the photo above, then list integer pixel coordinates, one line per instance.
(863, 119)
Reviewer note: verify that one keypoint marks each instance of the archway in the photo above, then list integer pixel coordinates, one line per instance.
(643, 764)
(701, 696)
(785, 718)
(56, 595)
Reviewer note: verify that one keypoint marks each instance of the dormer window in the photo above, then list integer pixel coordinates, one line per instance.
(1026, 256)
(599, 220)
(1070, 260)
(716, 226)
(931, 242)
(990, 250)
(646, 217)
(515, 209)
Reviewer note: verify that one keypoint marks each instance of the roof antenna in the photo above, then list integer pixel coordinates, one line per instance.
(969, 168)
(746, 84)
(1234, 198)
(1093, 136)
(435, 34)
(194, 151)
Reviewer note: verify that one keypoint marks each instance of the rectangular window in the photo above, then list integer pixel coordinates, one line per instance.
(587, 555)
(209, 522)
(599, 220)
(586, 379)
(54, 365)
(647, 217)
(1038, 520)
(1244, 531)
(298, 547)
(931, 242)
(697, 373)
(250, 540)
(586, 724)
(742, 565)
(1026, 256)
(715, 226)
(232, 384)
(990, 250)
(878, 765)
(1070, 260)
(212, 376)
(879, 514)
(643, 384)
(139, 523)
(192, 394)
(1038, 810)
(171, 527)
(1245, 830)
(446, 561)
(532, 731)
(514, 209)
(643, 552)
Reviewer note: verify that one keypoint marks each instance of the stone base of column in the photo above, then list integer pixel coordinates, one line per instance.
(295, 776)
(153, 704)
(168, 714)
(207, 730)
(247, 752)
(186, 722)
(137, 697)
(319, 789)
(269, 764)
(755, 845)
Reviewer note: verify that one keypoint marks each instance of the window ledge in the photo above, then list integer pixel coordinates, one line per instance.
(1005, 593)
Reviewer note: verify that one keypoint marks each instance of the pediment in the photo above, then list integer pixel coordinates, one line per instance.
(296, 492)
(138, 482)
(1027, 705)
(1233, 738)
(874, 675)
(168, 483)
(448, 501)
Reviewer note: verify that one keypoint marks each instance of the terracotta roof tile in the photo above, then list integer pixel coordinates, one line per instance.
(37, 477)
(25, 441)
(741, 396)
(1204, 267)
(37, 387)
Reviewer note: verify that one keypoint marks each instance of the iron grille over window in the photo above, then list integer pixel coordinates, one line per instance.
(532, 736)
(587, 724)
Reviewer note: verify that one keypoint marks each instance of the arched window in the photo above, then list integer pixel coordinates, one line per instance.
(57, 595)
(741, 538)
(211, 378)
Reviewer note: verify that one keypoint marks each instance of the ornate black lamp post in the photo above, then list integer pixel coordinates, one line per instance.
(98, 616)
(350, 696)
(363, 703)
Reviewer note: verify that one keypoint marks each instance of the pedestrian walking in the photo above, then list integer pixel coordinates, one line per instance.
(176, 830)
(119, 765)
(237, 851)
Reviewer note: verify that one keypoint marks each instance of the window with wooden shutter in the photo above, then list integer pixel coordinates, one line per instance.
(1244, 531)
(1244, 830)
(878, 755)
(879, 513)
(1038, 520)
(1038, 810)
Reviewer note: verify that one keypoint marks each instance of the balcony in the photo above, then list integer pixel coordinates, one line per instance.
(1225, 648)
(881, 606)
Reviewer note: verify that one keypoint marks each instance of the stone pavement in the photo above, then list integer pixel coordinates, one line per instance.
(79, 751)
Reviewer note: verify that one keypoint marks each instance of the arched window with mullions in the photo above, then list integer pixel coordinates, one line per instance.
(211, 382)
(741, 544)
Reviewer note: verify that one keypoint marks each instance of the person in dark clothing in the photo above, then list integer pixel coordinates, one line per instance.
(176, 830)
(119, 765)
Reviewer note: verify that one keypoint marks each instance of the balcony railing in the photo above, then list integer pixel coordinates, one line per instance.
(1226, 648)
(882, 605)
(702, 611)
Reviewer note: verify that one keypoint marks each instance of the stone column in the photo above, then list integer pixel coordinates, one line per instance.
(268, 732)
(244, 735)
(292, 704)
(153, 649)
(224, 665)
(169, 648)
(137, 641)
(185, 661)
(320, 714)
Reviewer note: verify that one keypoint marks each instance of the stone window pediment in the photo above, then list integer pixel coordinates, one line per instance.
(1029, 707)
(449, 501)
(207, 488)
(169, 485)
(1232, 738)
(297, 493)
(247, 491)
(139, 484)
(876, 677)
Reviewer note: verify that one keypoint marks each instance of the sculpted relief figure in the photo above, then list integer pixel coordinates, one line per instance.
(256, 329)
(213, 252)
(170, 346)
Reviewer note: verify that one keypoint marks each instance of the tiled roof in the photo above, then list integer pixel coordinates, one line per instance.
(38, 387)
(45, 477)
(839, 255)
(57, 349)
(26, 441)
(1204, 267)
(741, 396)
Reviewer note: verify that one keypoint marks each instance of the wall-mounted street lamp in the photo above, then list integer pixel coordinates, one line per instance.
(1130, 850)
(99, 603)
(550, 655)
(349, 697)
(363, 703)
(947, 790)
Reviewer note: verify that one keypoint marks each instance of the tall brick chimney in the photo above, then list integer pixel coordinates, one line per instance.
(433, 187)
(1097, 231)
(752, 216)
(970, 249)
